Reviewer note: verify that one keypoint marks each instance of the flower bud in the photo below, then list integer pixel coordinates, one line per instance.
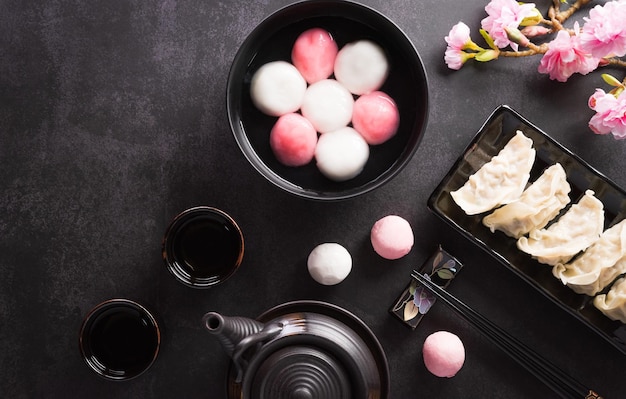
(535, 30)
(516, 36)
(612, 80)
(488, 39)
(487, 55)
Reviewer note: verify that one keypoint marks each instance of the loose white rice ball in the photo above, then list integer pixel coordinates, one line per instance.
(329, 263)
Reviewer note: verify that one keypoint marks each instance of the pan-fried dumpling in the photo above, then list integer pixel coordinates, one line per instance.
(539, 204)
(499, 181)
(613, 304)
(595, 268)
(576, 230)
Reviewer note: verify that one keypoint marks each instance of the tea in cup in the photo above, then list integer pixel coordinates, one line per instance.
(202, 247)
(119, 339)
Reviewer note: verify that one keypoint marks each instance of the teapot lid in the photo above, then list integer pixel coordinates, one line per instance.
(323, 351)
(301, 372)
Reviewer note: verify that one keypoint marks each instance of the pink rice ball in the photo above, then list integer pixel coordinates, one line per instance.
(392, 237)
(444, 354)
(376, 117)
(293, 140)
(314, 53)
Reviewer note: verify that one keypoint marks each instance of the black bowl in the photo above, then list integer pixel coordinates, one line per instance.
(273, 39)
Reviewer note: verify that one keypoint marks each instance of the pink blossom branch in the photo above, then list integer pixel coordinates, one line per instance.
(546, 22)
(563, 15)
(557, 17)
(578, 50)
(616, 62)
(552, 14)
(533, 50)
(516, 54)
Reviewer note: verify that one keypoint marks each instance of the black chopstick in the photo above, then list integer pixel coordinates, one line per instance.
(555, 378)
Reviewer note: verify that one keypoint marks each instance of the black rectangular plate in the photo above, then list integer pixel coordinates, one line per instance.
(494, 134)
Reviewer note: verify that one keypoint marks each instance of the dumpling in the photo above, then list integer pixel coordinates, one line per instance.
(499, 181)
(576, 230)
(539, 204)
(613, 304)
(595, 268)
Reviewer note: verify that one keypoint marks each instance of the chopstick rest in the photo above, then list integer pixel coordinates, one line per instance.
(555, 378)
(415, 301)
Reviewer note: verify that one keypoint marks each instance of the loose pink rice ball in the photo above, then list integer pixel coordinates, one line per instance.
(293, 140)
(444, 354)
(376, 117)
(392, 237)
(314, 53)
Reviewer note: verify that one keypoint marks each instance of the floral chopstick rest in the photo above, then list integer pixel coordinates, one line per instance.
(415, 300)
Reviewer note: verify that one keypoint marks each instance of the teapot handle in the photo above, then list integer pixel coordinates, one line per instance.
(268, 332)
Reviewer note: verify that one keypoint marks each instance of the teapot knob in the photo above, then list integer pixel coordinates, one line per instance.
(302, 393)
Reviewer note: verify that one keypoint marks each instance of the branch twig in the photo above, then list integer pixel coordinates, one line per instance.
(563, 15)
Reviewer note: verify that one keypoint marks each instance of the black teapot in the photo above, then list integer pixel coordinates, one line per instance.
(301, 350)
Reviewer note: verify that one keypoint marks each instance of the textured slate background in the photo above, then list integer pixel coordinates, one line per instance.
(112, 120)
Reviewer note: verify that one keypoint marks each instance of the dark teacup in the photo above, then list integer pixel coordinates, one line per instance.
(202, 247)
(119, 339)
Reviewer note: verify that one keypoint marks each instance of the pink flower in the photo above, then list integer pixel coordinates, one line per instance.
(455, 58)
(604, 32)
(458, 39)
(610, 114)
(459, 36)
(565, 57)
(505, 14)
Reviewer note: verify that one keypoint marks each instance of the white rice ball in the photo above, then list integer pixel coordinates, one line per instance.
(361, 67)
(327, 105)
(329, 263)
(342, 154)
(277, 88)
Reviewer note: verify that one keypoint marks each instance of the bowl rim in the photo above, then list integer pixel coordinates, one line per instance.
(244, 144)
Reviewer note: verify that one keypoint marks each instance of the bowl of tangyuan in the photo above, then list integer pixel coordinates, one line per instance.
(327, 100)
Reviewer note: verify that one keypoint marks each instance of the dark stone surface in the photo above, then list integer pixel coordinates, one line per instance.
(113, 120)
